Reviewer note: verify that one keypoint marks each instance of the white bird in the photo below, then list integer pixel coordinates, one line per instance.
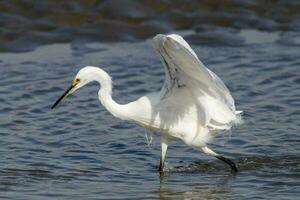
(192, 106)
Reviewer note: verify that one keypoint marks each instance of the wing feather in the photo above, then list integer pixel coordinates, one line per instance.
(184, 69)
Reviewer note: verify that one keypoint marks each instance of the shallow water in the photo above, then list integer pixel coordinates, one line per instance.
(80, 151)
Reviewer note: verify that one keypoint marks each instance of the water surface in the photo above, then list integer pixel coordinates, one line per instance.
(80, 151)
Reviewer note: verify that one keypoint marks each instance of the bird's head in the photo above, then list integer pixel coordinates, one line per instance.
(83, 77)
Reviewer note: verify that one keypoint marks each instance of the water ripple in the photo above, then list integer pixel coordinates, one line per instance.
(79, 150)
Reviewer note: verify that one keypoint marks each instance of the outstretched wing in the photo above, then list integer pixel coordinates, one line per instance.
(184, 70)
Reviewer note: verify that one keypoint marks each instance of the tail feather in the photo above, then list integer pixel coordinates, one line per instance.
(238, 119)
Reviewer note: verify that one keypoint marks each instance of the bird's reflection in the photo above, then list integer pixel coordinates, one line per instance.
(211, 186)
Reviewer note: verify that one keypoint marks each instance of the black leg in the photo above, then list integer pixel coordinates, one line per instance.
(161, 166)
(229, 162)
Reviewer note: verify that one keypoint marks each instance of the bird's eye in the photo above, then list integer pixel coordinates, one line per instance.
(76, 81)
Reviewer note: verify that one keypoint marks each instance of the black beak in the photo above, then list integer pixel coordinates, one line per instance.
(63, 96)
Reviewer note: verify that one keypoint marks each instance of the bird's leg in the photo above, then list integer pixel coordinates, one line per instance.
(229, 162)
(226, 160)
(164, 147)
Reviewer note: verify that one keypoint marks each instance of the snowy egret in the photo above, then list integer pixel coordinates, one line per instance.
(192, 106)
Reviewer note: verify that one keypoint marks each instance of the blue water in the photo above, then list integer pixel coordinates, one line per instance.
(80, 151)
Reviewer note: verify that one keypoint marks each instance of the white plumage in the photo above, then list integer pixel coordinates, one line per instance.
(192, 105)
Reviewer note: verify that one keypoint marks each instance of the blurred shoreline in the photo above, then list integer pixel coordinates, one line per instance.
(27, 24)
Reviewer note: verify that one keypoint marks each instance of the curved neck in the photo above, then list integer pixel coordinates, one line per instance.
(105, 92)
